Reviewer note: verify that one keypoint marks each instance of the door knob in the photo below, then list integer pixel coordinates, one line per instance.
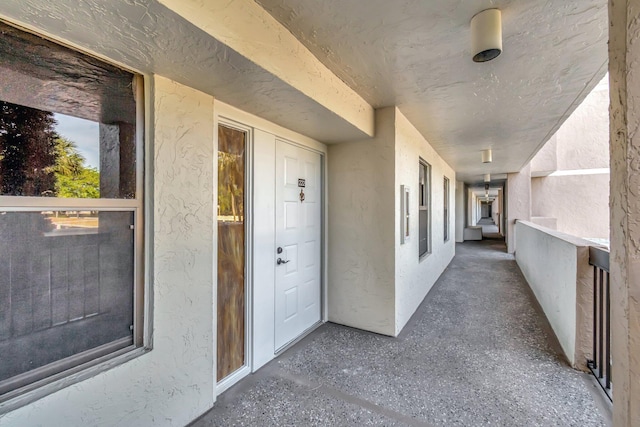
(281, 261)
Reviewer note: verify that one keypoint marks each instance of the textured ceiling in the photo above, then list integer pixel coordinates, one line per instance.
(411, 53)
(416, 54)
(148, 37)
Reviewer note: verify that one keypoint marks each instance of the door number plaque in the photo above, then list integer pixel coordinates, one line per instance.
(302, 182)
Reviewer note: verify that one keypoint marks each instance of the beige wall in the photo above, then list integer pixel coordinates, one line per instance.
(568, 186)
(460, 214)
(518, 202)
(579, 203)
(375, 283)
(362, 229)
(624, 70)
(414, 277)
(556, 266)
(173, 383)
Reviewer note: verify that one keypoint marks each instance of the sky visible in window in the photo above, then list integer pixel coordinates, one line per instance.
(84, 133)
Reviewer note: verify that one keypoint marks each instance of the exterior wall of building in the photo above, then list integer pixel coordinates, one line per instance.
(624, 69)
(570, 179)
(375, 283)
(518, 202)
(174, 382)
(556, 266)
(460, 211)
(414, 277)
(579, 203)
(362, 227)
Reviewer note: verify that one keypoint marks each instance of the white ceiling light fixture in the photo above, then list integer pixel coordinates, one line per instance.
(487, 156)
(487, 177)
(486, 35)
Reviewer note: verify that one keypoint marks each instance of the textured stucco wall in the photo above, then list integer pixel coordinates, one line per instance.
(556, 266)
(562, 187)
(375, 283)
(518, 203)
(414, 277)
(583, 139)
(362, 230)
(173, 383)
(580, 203)
(251, 31)
(546, 160)
(624, 72)
(459, 211)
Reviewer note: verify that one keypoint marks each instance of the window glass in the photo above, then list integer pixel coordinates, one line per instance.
(67, 122)
(424, 213)
(71, 287)
(231, 251)
(65, 289)
(446, 208)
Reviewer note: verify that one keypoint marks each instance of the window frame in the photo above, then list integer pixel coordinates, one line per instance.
(139, 207)
(424, 204)
(446, 209)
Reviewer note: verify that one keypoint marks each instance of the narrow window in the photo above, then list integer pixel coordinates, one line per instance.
(71, 212)
(424, 216)
(231, 250)
(446, 209)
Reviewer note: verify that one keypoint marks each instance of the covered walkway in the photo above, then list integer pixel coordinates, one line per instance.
(477, 352)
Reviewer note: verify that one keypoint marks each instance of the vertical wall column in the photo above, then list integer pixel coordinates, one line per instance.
(518, 203)
(624, 75)
(460, 216)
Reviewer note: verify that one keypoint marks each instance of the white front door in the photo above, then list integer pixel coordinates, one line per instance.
(298, 241)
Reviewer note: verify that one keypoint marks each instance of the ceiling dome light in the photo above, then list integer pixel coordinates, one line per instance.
(486, 156)
(486, 35)
(487, 177)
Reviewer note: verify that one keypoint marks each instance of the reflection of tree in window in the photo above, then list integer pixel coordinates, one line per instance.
(36, 161)
(73, 178)
(27, 151)
(231, 173)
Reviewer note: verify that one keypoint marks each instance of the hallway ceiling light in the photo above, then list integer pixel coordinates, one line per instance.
(487, 177)
(486, 156)
(486, 35)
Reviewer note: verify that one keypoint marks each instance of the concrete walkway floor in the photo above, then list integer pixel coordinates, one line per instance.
(477, 353)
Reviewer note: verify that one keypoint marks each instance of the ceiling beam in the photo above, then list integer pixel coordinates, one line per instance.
(248, 29)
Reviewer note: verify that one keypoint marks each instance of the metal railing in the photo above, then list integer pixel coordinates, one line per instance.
(600, 366)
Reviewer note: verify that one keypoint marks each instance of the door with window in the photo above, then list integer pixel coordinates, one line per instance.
(298, 241)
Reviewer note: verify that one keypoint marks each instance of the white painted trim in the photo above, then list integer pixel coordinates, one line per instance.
(246, 368)
(231, 379)
(234, 114)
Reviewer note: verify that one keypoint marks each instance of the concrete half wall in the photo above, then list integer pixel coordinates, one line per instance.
(556, 266)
